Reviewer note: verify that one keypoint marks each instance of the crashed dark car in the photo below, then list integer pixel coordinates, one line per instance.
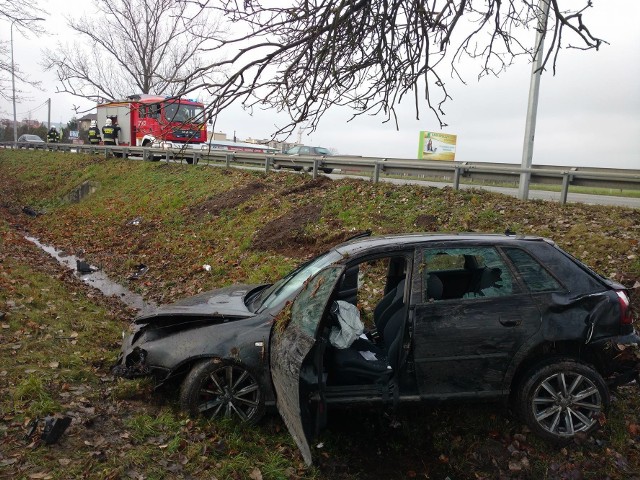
(448, 317)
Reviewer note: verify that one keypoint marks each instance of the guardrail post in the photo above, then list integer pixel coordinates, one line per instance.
(456, 179)
(125, 153)
(228, 158)
(267, 164)
(106, 153)
(168, 155)
(376, 172)
(195, 159)
(566, 179)
(315, 169)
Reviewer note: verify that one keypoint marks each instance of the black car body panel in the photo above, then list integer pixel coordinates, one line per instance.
(225, 302)
(212, 324)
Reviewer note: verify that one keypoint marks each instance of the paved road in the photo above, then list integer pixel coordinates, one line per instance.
(628, 202)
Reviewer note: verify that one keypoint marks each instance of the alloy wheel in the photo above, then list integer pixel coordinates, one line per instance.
(229, 391)
(566, 403)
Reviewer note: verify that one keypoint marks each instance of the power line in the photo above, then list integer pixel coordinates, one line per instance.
(33, 110)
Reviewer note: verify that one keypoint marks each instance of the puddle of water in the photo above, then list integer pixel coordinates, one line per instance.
(96, 278)
(83, 190)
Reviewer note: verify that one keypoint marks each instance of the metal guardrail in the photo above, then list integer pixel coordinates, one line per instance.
(449, 172)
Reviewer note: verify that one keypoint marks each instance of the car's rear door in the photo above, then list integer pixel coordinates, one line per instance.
(464, 345)
(297, 377)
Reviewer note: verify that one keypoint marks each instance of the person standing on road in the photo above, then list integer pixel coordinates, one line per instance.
(53, 136)
(94, 133)
(110, 133)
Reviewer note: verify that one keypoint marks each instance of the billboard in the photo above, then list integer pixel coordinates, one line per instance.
(437, 146)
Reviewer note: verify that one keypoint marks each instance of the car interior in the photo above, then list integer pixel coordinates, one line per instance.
(456, 276)
(378, 289)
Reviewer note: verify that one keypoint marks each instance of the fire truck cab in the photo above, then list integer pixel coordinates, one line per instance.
(155, 121)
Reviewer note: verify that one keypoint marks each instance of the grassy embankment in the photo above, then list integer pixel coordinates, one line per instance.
(59, 337)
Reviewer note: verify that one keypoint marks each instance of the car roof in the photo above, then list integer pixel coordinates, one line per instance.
(360, 244)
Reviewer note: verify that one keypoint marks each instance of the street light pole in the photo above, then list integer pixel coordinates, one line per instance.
(532, 109)
(13, 86)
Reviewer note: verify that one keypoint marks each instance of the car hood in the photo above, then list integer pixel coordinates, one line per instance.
(225, 302)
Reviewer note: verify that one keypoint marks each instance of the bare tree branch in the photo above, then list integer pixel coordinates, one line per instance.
(24, 19)
(369, 54)
(134, 46)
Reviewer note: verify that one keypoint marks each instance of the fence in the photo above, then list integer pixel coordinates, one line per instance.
(450, 172)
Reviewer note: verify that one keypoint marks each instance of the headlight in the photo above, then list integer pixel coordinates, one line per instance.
(166, 145)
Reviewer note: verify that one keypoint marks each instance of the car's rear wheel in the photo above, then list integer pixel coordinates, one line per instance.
(562, 398)
(222, 388)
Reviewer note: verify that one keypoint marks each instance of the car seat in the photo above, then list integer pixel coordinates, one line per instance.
(435, 288)
(350, 367)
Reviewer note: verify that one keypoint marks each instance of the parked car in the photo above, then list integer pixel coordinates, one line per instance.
(450, 317)
(303, 150)
(30, 139)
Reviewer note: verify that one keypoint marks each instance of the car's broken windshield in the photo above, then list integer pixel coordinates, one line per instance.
(294, 281)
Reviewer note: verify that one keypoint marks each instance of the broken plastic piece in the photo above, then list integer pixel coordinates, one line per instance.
(54, 427)
(31, 429)
(27, 210)
(140, 271)
(83, 267)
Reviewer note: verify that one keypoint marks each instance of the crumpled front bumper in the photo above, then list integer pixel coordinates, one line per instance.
(132, 360)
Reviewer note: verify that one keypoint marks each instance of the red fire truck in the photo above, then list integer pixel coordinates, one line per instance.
(154, 121)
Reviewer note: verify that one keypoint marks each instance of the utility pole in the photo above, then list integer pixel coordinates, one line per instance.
(48, 114)
(13, 87)
(532, 108)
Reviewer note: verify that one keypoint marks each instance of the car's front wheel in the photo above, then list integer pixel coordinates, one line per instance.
(222, 388)
(561, 398)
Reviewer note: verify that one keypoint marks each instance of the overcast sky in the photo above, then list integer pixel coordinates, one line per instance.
(588, 113)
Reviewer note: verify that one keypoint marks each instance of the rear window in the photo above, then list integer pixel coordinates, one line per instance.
(534, 275)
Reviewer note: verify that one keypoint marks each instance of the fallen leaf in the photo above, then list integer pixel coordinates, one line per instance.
(255, 474)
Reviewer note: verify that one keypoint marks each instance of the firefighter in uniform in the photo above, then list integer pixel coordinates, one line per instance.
(110, 133)
(94, 133)
(53, 136)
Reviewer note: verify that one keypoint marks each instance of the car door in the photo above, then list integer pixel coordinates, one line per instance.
(473, 318)
(296, 358)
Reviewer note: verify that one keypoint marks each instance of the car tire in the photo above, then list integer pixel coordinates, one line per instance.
(219, 388)
(560, 398)
(327, 170)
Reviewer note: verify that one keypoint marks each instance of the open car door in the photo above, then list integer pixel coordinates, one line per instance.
(297, 379)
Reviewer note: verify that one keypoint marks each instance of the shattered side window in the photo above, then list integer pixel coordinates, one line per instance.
(533, 274)
(310, 304)
(454, 273)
